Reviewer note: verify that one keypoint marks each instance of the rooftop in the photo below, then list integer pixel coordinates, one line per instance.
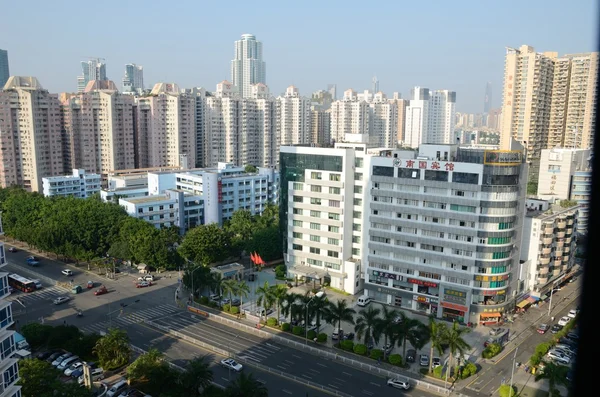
(148, 199)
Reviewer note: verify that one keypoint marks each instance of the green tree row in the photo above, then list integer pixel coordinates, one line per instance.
(99, 233)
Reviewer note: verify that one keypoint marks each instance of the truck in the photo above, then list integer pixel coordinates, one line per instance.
(499, 337)
(20, 342)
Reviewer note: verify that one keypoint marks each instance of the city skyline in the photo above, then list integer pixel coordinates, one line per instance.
(200, 55)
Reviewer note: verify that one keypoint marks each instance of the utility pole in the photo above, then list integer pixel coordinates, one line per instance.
(510, 393)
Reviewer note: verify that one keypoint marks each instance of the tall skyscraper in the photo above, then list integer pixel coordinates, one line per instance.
(133, 81)
(332, 88)
(430, 117)
(92, 70)
(375, 85)
(293, 118)
(30, 142)
(248, 67)
(417, 117)
(349, 116)
(4, 71)
(487, 100)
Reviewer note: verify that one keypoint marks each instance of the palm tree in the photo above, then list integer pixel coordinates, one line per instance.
(456, 343)
(339, 311)
(265, 298)
(216, 282)
(196, 377)
(407, 329)
(288, 306)
(556, 375)
(438, 333)
(385, 326)
(229, 287)
(318, 307)
(246, 386)
(243, 290)
(279, 292)
(366, 322)
(113, 349)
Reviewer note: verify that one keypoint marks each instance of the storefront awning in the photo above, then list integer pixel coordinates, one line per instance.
(532, 299)
(522, 304)
(544, 296)
(490, 315)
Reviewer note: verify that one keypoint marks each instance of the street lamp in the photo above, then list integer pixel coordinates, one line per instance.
(192, 276)
(513, 372)
(306, 321)
(551, 293)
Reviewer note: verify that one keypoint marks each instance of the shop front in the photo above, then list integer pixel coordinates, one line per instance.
(491, 318)
(454, 312)
(425, 304)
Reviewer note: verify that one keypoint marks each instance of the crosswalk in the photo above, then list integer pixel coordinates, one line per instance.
(135, 317)
(46, 294)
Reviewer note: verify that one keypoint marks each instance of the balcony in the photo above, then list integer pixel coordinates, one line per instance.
(542, 271)
(567, 249)
(547, 240)
(546, 251)
(570, 222)
(542, 280)
(548, 230)
(568, 240)
(566, 258)
(560, 244)
(558, 253)
(556, 272)
(562, 224)
(560, 234)
(544, 261)
(557, 262)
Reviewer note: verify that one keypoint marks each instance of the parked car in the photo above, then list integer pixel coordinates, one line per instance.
(12, 249)
(73, 367)
(436, 362)
(224, 302)
(543, 328)
(232, 364)
(143, 284)
(45, 355)
(556, 328)
(59, 359)
(67, 272)
(348, 336)
(101, 291)
(573, 313)
(424, 360)
(147, 277)
(399, 383)
(559, 357)
(236, 302)
(60, 300)
(336, 336)
(573, 336)
(96, 375)
(410, 355)
(564, 320)
(66, 363)
(54, 356)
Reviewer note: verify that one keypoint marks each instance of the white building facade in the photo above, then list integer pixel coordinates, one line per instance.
(79, 185)
(430, 117)
(247, 66)
(293, 118)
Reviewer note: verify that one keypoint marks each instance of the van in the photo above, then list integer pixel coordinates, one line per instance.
(363, 300)
(117, 388)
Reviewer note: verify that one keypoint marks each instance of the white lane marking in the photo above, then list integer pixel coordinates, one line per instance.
(346, 373)
(286, 391)
(322, 365)
(264, 382)
(314, 370)
(289, 362)
(296, 356)
(368, 393)
(225, 379)
(306, 376)
(334, 386)
(339, 380)
(375, 384)
(282, 367)
(273, 346)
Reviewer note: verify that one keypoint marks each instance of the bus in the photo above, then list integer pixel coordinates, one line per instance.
(21, 283)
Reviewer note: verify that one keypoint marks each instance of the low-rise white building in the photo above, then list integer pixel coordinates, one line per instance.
(199, 196)
(80, 184)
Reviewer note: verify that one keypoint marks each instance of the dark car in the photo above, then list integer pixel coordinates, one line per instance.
(573, 336)
(53, 356)
(556, 328)
(410, 355)
(348, 336)
(45, 355)
(251, 277)
(236, 302)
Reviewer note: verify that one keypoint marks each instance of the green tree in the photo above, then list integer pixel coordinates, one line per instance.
(289, 304)
(113, 349)
(279, 293)
(568, 203)
(365, 323)
(249, 168)
(36, 334)
(206, 244)
(216, 283)
(438, 333)
(319, 309)
(241, 226)
(532, 188)
(506, 390)
(245, 385)
(555, 374)
(269, 217)
(339, 311)
(202, 278)
(196, 378)
(243, 290)
(152, 373)
(62, 336)
(456, 343)
(407, 329)
(229, 288)
(73, 389)
(265, 297)
(385, 326)
(267, 242)
(38, 378)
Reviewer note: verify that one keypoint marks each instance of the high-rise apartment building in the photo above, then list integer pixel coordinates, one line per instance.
(9, 367)
(166, 127)
(383, 121)
(133, 81)
(91, 70)
(293, 118)
(417, 118)
(30, 134)
(320, 125)
(349, 116)
(99, 133)
(401, 105)
(4, 70)
(442, 107)
(487, 99)
(248, 67)
(332, 89)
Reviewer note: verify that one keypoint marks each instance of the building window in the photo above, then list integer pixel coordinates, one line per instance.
(333, 229)
(334, 217)
(315, 201)
(358, 189)
(356, 227)
(315, 226)
(334, 190)
(462, 208)
(356, 214)
(357, 201)
(298, 186)
(334, 203)
(315, 188)
(298, 199)
(358, 162)
(465, 177)
(409, 173)
(297, 247)
(334, 177)
(383, 171)
(297, 223)
(297, 211)
(441, 176)
(316, 175)
(315, 214)
(315, 238)
(333, 241)
(314, 262)
(356, 251)
(315, 250)
(297, 235)
(333, 254)
(356, 239)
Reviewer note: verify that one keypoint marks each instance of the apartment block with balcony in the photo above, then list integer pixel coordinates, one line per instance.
(548, 245)
(444, 231)
(79, 185)
(9, 368)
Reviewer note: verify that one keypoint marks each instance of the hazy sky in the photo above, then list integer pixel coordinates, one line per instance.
(438, 44)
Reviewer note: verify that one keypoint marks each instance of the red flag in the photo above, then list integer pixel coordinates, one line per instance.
(260, 260)
(253, 258)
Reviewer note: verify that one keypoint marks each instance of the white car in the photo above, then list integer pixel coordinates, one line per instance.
(564, 320)
(61, 299)
(73, 367)
(230, 363)
(67, 272)
(573, 313)
(147, 277)
(398, 383)
(558, 357)
(60, 359)
(424, 360)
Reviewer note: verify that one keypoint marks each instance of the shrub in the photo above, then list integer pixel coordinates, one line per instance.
(395, 359)
(285, 327)
(376, 354)
(468, 370)
(226, 308)
(297, 330)
(504, 391)
(535, 359)
(437, 372)
(204, 300)
(312, 334)
(280, 271)
(542, 348)
(347, 345)
(360, 349)
(234, 310)
(493, 349)
(213, 305)
(322, 337)
(272, 322)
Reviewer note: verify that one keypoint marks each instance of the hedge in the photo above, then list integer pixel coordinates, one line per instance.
(493, 349)
(285, 327)
(204, 300)
(360, 349)
(376, 354)
(347, 345)
(504, 391)
(437, 372)
(227, 307)
(297, 330)
(312, 334)
(272, 322)
(395, 359)
(234, 310)
(468, 370)
(322, 337)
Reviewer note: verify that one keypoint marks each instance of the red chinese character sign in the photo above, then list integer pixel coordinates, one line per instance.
(423, 164)
(449, 166)
(435, 165)
(410, 163)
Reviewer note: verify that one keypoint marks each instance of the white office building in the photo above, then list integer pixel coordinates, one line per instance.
(198, 196)
(349, 116)
(79, 185)
(9, 368)
(247, 66)
(430, 117)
